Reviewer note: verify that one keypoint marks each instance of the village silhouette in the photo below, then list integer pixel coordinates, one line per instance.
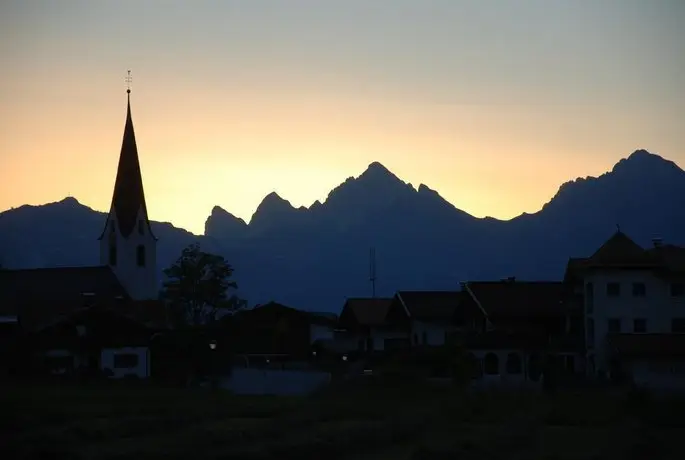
(602, 343)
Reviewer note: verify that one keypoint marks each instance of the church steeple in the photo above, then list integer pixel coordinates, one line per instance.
(128, 199)
(127, 243)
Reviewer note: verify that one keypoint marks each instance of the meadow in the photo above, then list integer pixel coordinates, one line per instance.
(371, 421)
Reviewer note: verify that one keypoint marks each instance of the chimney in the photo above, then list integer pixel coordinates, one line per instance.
(657, 242)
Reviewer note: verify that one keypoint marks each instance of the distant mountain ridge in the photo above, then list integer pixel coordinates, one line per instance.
(315, 257)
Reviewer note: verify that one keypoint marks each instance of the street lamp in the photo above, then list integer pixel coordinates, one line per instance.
(344, 358)
(212, 345)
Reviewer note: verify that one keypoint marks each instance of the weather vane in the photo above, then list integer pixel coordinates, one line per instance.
(129, 79)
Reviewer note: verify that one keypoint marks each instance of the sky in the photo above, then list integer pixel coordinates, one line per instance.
(493, 104)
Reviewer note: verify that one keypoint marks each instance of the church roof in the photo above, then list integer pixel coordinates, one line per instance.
(129, 197)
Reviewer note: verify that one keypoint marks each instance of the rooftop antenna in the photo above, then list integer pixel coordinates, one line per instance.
(372, 271)
(129, 79)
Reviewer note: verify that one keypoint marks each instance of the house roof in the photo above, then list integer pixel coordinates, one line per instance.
(648, 344)
(620, 251)
(430, 305)
(326, 319)
(129, 197)
(39, 295)
(518, 298)
(368, 311)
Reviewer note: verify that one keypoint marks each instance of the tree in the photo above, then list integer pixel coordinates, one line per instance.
(196, 286)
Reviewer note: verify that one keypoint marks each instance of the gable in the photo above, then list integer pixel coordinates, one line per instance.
(519, 298)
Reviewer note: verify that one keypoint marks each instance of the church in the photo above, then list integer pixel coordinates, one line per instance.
(101, 317)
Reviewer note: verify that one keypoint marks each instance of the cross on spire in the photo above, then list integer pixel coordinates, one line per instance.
(129, 79)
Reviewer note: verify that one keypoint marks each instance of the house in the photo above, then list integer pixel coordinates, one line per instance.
(126, 276)
(94, 339)
(634, 310)
(277, 331)
(431, 314)
(512, 328)
(409, 318)
(363, 326)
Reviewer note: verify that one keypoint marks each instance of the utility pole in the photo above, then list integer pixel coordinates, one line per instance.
(372, 271)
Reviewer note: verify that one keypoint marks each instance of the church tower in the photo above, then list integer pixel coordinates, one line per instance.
(127, 243)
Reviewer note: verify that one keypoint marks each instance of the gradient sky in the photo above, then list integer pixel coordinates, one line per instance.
(492, 103)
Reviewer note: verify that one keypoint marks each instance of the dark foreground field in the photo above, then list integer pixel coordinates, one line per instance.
(414, 422)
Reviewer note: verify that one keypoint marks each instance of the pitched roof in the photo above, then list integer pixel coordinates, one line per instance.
(518, 298)
(619, 250)
(648, 344)
(669, 256)
(40, 295)
(128, 197)
(431, 305)
(368, 311)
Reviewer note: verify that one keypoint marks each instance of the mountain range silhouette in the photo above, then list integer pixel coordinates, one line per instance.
(313, 258)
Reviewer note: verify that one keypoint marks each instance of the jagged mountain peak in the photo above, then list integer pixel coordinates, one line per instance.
(643, 162)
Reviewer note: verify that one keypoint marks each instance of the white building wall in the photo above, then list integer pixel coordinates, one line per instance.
(141, 370)
(320, 332)
(379, 337)
(434, 334)
(141, 283)
(657, 307)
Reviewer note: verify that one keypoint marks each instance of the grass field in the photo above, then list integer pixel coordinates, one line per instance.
(116, 421)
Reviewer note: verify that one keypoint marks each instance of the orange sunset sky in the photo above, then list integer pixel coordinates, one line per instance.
(494, 104)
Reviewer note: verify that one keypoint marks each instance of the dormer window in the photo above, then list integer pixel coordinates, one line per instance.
(140, 256)
(141, 227)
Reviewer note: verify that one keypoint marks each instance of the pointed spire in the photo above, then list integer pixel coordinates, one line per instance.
(129, 198)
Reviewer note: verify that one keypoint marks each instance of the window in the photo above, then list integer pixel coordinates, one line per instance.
(590, 332)
(640, 325)
(589, 298)
(570, 364)
(613, 289)
(491, 364)
(639, 290)
(141, 227)
(140, 256)
(677, 290)
(613, 325)
(678, 325)
(125, 360)
(514, 363)
(112, 254)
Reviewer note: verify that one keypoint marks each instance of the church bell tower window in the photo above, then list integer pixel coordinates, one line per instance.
(112, 254)
(140, 256)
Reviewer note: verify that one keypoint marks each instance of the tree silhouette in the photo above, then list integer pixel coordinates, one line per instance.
(197, 285)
